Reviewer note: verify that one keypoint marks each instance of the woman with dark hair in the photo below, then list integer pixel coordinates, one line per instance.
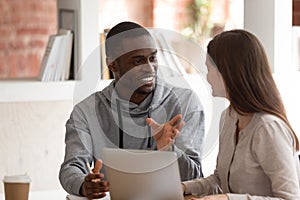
(258, 148)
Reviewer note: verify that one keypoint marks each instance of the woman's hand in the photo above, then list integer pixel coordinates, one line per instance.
(93, 186)
(213, 197)
(165, 134)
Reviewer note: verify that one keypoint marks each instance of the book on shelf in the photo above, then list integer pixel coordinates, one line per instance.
(56, 62)
(68, 52)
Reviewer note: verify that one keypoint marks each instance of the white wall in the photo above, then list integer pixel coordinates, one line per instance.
(32, 141)
(289, 87)
(271, 21)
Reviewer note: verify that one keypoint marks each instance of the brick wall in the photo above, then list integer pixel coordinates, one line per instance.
(296, 12)
(24, 30)
(115, 11)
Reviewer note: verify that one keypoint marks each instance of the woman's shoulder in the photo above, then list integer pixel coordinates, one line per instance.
(266, 119)
(270, 126)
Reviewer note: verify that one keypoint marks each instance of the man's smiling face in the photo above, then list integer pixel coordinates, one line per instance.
(137, 69)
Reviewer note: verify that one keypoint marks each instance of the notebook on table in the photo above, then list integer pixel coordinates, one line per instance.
(142, 175)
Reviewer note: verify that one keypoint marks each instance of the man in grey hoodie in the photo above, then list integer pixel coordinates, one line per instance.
(116, 116)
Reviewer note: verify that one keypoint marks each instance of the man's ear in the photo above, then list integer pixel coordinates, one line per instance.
(112, 65)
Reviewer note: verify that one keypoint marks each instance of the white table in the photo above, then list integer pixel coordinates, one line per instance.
(72, 197)
(59, 194)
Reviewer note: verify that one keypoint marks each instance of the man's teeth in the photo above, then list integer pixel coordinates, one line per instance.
(147, 79)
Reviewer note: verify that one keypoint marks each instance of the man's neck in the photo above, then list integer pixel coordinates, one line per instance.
(136, 97)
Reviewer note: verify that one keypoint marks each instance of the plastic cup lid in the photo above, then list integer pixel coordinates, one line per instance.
(17, 179)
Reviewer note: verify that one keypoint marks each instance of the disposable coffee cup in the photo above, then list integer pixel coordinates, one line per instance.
(16, 187)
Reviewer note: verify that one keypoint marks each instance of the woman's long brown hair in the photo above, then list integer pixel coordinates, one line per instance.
(244, 66)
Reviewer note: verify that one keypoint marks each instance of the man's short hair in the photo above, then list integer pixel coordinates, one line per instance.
(119, 32)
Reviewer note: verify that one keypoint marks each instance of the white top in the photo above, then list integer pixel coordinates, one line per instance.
(263, 163)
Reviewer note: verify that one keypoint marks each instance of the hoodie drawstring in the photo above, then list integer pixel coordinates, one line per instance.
(121, 134)
(121, 143)
(149, 130)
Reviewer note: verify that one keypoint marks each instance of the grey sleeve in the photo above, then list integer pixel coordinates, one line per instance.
(188, 145)
(78, 152)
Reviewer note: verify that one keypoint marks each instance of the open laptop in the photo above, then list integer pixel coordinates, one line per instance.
(142, 175)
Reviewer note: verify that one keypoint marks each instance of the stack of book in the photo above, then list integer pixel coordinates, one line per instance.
(56, 61)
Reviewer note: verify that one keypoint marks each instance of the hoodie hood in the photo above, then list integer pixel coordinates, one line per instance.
(152, 101)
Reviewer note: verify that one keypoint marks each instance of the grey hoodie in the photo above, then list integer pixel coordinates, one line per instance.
(104, 120)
